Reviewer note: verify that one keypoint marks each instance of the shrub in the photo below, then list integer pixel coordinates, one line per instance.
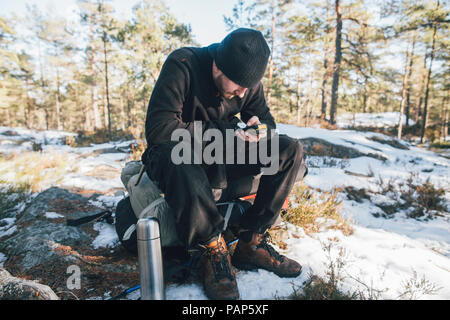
(137, 149)
(426, 199)
(440, 144)
(416, 198)
(86, 138)
(416, 287)
(326, 288)
(313, 211)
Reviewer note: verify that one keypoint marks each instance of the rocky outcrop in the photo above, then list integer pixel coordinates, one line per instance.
(44, 248)
(320, 147)
(12, 288)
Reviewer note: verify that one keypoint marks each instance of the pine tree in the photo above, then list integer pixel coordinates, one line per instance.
(269, 17)
(8, 64)
(90, 18)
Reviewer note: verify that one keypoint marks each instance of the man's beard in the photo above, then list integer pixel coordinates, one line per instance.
(218, 82)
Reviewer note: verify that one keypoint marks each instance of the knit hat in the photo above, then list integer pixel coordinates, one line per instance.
(242, 56)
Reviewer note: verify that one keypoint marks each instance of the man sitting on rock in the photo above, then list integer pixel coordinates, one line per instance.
(213, 84)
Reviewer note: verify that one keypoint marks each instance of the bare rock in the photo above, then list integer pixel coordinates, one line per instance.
(44, 247)
(12, 288)
(320, 147)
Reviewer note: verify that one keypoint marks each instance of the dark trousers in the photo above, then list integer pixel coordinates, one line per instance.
(188, 192)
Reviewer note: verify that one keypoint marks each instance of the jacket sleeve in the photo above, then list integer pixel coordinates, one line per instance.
(166, 103)
(257, 106)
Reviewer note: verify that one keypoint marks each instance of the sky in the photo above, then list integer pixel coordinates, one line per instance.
(204, 16)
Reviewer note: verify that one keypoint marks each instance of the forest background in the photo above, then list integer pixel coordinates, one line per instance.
(93, 72)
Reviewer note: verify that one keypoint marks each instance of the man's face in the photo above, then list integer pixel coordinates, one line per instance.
(227, 88)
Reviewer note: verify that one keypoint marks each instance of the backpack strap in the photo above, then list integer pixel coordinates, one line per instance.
(228, 212)
(129, 232)
(151, 206)
(228, 215)
(141, 172)
(104, 215)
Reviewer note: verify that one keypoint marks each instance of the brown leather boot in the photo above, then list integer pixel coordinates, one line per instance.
(219, 279)
(258, 253)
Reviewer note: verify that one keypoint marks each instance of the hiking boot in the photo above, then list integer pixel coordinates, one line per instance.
(258, 253)
(219, 279)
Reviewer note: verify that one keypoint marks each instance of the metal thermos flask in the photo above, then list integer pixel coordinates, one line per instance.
(150, 260)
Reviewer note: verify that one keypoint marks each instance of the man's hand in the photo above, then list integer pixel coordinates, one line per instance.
(247, 135)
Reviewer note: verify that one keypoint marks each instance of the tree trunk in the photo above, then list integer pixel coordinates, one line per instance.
(427, 88)
(58, 101)
(105, 109)
(422, 85)
(81, 106)
(97, 119)
(122, 112)
(445, 131)
(404, 88)
(29, 118)
(299, 109)
(46, 118)
(408, 89)
(308, 110)
(107, 83)
(323, 111)
(337, 64)
(270, 77)
(365, 101)
(326, 73)
(130, 116)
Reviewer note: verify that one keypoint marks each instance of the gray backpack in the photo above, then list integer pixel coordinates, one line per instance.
(147, 201)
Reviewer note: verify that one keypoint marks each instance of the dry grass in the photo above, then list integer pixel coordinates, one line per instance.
(35, 169)
(328, 287)
(137, 150)
(440, 144)
(314, 211)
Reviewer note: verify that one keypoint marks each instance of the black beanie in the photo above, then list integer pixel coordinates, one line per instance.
(242, 56)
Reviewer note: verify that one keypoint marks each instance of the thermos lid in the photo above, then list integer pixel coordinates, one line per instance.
(147, 229)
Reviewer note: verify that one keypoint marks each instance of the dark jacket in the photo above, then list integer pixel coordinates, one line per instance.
(185, 91)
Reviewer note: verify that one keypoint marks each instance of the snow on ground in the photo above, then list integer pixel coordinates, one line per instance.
(107, 237)
(382, 254)
(378, 120)
(53, 215)
(19, 139)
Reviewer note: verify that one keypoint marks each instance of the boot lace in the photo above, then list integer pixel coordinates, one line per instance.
(265, 239)
(218, 257)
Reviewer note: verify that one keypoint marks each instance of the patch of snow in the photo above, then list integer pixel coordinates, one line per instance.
(106, 201)
(378, 120)
(3, 258)
(8, 222)
(42, 137)
(8, 232)
(53, 215)
(107, 237)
